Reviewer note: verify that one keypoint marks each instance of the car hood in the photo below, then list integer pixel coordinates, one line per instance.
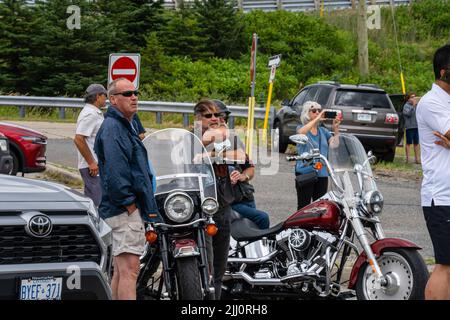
(23, 193)
(19, 130)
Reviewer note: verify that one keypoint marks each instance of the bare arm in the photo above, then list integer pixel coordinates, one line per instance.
(80, 142)
(307, 127)
(444, 140)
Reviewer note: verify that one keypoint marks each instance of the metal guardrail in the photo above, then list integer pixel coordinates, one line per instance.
(293, 5)
(159, 107)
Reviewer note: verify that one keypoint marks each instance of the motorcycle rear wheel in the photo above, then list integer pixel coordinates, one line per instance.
(406, 272)
(188, 279)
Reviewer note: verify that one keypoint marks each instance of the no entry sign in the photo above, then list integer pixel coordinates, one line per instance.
(124, 65)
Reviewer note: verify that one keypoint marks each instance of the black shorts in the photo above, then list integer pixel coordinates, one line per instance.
(438, 224)
(412, 136)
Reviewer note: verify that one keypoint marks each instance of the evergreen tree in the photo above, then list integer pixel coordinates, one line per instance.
(135, 19)
(16, 30)
(183, 35)
(222, 26)
(65, 61)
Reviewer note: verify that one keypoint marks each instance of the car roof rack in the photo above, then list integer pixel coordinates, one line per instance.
(371, 85)
(328, 82)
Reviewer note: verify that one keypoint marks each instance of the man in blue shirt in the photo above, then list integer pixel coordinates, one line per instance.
(127, 190)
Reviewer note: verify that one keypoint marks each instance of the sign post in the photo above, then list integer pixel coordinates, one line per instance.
(274, 62)
(124, 65)
(251, 100)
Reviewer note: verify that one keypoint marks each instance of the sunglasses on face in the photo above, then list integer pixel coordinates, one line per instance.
(216, 115)
(127, 93)
(315, 110)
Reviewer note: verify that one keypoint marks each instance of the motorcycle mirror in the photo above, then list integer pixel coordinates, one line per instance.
(299, 138)
(285, 102)
(372, 157)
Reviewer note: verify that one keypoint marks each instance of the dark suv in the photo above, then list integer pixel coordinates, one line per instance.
(366, 110)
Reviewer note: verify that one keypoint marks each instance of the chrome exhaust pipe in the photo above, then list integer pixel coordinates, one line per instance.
(253, 260)
(246, 277)
(285, 281)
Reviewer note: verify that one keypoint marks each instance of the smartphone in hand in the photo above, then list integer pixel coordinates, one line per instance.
(330, 115)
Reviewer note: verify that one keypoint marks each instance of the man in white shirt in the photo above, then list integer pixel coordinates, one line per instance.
(88, 124)
(433, 119)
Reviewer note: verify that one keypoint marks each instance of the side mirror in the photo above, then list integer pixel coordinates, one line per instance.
(299, 138)
(372, 157)
(285, 102)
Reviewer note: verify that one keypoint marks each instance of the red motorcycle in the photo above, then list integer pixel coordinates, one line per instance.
(305, 256)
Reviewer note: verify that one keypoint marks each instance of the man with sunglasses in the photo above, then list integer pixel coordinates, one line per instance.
(214, 133)
(126, 178)
(433, 120)
(88, 123)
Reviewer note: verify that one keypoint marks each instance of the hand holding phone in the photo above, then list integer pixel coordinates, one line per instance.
(330, 115)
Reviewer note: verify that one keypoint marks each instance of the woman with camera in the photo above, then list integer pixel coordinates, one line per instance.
(309, 182)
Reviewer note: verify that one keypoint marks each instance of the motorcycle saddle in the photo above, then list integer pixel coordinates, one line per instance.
(243, 229)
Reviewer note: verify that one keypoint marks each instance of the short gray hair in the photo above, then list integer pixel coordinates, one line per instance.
(112, 86)
(308, 105)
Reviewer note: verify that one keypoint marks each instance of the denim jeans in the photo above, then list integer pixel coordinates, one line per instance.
(248, 210)
(217, 248)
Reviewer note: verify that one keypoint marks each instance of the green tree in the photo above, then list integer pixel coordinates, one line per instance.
(222, 27)
(182, 35)
(65, 61)
(134, 18)
(16, 30)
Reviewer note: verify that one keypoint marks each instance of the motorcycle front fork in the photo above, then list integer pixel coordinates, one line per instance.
(363, 238)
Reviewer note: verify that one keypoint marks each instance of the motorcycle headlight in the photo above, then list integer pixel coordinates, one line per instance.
(210, 206)
(179, 207)
(373, 201)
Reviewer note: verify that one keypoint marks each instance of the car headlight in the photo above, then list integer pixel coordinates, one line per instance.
(93, 213)
(373, 200)
(179, 207)
(3, 145)
(36, 140)
(210, 206)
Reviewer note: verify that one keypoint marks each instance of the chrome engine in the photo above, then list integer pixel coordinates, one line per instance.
(294, 255)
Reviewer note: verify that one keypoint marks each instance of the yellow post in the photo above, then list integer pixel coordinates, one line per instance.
(321, 9)
(402, 79)
(266, 117)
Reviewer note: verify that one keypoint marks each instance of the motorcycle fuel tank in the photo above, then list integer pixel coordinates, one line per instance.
(322, 214)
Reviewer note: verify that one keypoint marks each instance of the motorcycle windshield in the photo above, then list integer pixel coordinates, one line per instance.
(172, 155)
(346, 154)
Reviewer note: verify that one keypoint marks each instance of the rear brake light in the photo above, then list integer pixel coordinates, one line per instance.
(391, 118)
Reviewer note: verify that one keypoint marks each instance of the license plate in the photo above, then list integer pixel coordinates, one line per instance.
(363, 117)
(40, 288)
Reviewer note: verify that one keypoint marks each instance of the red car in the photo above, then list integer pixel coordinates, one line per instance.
(27, 148)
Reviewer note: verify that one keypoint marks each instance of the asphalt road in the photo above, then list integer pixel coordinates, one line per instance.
(402, 216)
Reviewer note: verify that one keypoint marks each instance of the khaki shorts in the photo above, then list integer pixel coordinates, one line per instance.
(128, 233)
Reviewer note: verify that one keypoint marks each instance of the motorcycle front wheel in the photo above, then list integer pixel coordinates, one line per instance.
(188, 279)
(405, 271)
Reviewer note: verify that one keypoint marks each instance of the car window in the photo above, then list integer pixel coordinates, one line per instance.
(322, 97)
(311, 94)
(298, 101)
(362, 99)
(398, 100)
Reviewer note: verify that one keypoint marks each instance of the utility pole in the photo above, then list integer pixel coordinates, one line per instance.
(363, 49)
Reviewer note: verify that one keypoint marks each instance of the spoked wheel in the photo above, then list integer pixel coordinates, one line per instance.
(405, 272)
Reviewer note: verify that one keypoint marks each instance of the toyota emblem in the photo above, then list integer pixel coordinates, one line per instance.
(39, 226)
